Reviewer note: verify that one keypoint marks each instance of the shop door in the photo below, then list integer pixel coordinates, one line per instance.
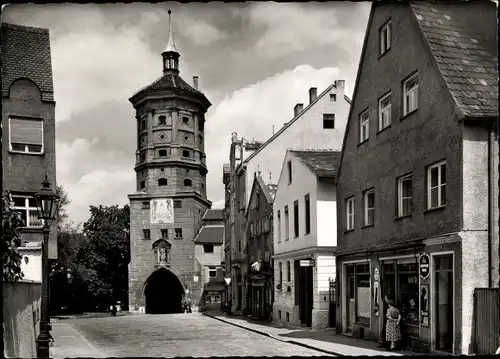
(350, 298)
(443, 302)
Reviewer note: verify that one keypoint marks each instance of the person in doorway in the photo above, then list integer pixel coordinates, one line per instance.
(384, 344)
(393, 317)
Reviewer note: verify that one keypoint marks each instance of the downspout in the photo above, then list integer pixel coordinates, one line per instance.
(491, 177)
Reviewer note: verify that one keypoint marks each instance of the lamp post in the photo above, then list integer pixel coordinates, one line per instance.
(47, 202)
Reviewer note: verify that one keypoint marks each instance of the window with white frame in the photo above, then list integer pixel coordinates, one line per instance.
(369, 207)
(436, 185)
(410, 91)
(405, 195)
(349, 208)
(385, 38)
(26, 135)
(364, 127)
(384, 112)
(26, 206)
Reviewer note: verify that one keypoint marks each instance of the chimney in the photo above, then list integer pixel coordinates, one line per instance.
(195, 82)
(298, 109)
(313, 93)
(339, 83)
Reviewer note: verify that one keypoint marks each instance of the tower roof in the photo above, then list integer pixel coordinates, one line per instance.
(171, 43)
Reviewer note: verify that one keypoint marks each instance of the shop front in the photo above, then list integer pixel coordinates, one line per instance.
(423, 282)
(260, 290)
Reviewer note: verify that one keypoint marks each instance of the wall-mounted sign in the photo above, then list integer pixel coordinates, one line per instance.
(375, 274)
(162, 210)
(307, 262)
(424, 266)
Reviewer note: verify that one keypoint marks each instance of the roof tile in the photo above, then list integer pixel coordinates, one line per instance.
(465, 53)
(324, 163)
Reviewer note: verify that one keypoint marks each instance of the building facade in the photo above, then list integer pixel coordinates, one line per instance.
(28, 139)
(209, 243)
(258, 252)
(304, 212)
(167, 209)
(321, 124)
(417, 188)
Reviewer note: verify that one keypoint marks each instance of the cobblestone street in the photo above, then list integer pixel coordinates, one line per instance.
(164, 335)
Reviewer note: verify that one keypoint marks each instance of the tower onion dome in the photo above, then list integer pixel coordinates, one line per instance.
(170, 81)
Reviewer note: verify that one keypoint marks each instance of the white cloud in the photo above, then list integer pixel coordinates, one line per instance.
(253, 110)
(317, 26)
(201, 32)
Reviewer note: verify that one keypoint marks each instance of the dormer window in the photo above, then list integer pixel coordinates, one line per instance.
(162, 153)
(185, 120)
(185, 153)
(162, 120)
(188, 182)
(162, 182)
(143, 184)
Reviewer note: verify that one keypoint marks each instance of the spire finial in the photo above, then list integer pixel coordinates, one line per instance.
(171, 44)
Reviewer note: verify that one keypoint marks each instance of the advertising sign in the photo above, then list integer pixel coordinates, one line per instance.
(423, 267)
(307, 262)
(162, 210)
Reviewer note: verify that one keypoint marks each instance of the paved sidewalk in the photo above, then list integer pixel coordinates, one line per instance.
(325, 340)
(70, 343)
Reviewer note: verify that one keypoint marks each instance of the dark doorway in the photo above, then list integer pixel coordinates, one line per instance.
(306, 295)
(164, 293)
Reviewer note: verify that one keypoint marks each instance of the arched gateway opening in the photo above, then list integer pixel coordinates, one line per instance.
(164, 293)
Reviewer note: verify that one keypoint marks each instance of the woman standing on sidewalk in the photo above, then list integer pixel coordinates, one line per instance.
(393, 330)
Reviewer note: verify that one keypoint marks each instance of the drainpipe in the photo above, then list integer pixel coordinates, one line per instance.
(491, 202)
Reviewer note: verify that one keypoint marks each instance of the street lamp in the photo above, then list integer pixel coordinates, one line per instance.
(47, 202)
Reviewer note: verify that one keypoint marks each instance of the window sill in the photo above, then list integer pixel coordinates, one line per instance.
(27, 153)
(31, 229)
(398, 218)
(361, 143)
(178, 238)
(435, 209)
(349, 230)
(362, 322)
(408, 114)
(367, 225)
(382, 130)
(383, 53)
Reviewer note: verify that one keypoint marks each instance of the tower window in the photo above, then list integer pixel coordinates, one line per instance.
(146, 233)
(162, 182)
(185, 153)
(162, 137)
(178, 233)
(201, 125)
(162, 153)
(188, 182)
(162, 120)
(143, 157)
(145, 205)
(143, 184)
(143, 125)
(164, 233)
(185, 120)
(177, 203)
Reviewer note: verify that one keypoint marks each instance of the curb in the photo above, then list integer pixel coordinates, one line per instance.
(277, 338)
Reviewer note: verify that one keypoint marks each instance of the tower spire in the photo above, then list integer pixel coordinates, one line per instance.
(170, 54)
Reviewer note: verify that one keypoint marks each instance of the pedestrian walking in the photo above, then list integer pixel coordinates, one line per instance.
(393, 329)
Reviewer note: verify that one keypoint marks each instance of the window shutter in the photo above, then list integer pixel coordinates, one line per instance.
(26, 131)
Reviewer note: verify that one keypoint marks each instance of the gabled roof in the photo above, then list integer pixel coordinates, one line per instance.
(269, 190)
(214, 214)
(288, 124)
(465, 51)
(432, 32)
(210, 235)
(26, 54)
(323, 163)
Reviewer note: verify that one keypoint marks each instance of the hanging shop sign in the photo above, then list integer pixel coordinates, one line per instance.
(307, 262)
(424, 266)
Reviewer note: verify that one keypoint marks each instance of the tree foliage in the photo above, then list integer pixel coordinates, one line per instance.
(12, 223)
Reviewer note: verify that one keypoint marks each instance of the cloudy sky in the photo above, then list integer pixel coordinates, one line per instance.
(255, 61)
